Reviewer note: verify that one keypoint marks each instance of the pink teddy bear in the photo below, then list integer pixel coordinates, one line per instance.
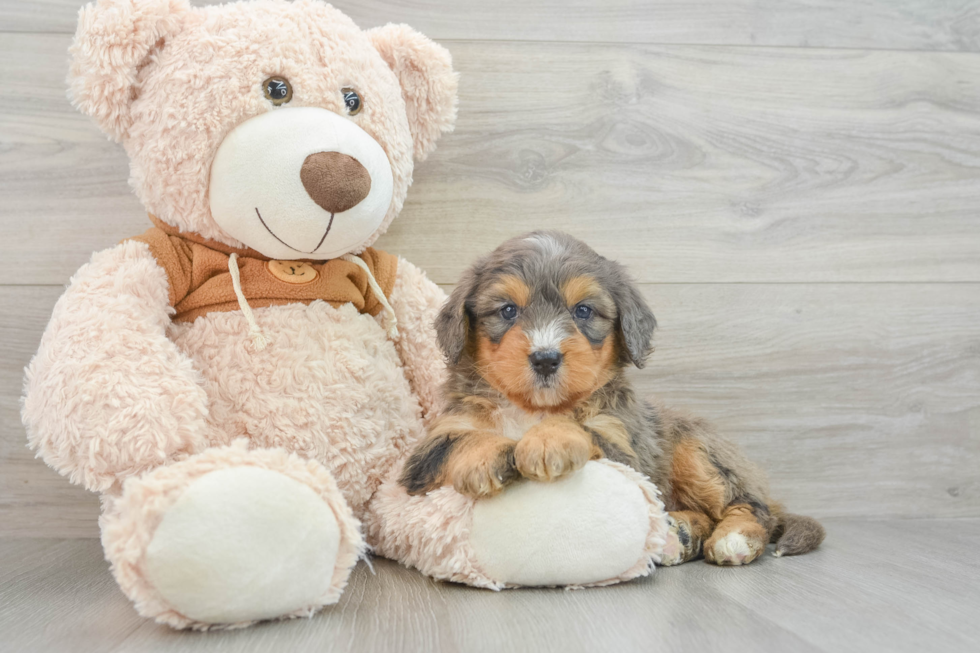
(242, 382)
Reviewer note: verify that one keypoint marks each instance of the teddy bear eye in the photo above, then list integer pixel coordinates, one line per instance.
(277, 90)
(352, 101)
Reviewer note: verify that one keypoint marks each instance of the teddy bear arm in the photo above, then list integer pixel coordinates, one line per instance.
(416, 301)
(108, 395)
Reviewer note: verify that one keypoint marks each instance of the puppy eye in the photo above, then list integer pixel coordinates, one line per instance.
(583, 312)
(508, 312)
(352, 101)
(277, 90)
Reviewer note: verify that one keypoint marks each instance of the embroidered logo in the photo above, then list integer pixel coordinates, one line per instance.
(292, 271)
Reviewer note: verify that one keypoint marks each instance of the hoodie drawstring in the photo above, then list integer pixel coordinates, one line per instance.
(378, 293)
(258, 338)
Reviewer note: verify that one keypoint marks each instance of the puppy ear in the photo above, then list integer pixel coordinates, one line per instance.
(453, 322)
(636, 320)
(113, 40)
(425, 72)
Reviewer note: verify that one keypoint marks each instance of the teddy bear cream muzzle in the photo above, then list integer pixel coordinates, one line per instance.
(300, 182)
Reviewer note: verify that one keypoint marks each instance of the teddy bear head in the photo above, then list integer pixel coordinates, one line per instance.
(275, 125)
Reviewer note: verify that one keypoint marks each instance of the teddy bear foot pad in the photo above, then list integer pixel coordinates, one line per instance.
(244, 544)
(227, 544)
(583, 529)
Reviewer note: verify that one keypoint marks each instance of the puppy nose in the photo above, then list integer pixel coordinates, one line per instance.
(335, 181)
(545, 363)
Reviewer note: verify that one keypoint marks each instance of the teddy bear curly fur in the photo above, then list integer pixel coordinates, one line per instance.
(242, 477)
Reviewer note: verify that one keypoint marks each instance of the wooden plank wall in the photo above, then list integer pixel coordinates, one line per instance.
(796, 184)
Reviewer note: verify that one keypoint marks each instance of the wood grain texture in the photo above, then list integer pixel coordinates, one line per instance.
(34, 499)
(859, 399)
(879, 24)
(690, 164)
(846, 596)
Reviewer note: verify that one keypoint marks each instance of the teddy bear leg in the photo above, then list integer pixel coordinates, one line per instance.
(600, 525)
(231, 536)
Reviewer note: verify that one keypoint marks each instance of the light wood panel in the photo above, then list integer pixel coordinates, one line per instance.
(690, 164)
(891, 24)
(33, 498)
(846, 596)
(860, 399)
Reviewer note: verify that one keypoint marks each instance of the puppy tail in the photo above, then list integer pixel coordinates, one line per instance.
(795, 534)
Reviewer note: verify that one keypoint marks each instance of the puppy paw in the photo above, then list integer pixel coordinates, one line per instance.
(551, 449)
(732, 549)
(680, 545)
(484, 471)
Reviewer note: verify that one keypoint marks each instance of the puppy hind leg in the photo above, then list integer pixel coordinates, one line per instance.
(741, 524)
(741, 535)
(699, 494)
(686, 535)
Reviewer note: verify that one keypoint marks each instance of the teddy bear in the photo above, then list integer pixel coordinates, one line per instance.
(242, 382)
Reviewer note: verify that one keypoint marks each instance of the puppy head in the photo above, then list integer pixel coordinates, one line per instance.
(546, 321)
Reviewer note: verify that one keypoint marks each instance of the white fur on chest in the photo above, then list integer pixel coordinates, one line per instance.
(515, 422)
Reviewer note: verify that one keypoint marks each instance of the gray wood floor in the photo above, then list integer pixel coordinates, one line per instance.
(796, 184)
(900, 585)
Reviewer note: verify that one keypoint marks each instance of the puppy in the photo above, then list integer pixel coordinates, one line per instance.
(537, 336)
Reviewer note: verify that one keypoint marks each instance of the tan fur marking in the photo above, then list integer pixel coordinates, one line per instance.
(453, 425)
(586, 368)
(512, 287)
(505, 366)
(552, 448)
(695, 481)
(481, 404)
(612, 430)
(578, 288)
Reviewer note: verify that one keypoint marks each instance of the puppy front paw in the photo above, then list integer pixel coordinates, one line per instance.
(551, 449)
(484, 470)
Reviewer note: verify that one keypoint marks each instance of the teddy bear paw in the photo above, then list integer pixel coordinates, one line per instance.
(243, 544)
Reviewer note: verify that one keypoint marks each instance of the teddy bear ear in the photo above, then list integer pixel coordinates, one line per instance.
(425, 71)
(114, 38)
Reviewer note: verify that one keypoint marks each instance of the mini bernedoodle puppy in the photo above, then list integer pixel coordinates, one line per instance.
(537, 336)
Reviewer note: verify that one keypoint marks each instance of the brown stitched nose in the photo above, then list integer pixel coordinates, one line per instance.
(335, 181)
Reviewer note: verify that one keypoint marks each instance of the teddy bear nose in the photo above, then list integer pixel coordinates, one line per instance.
(335, 181)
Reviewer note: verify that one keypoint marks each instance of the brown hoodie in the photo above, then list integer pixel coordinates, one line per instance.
(200, 281)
